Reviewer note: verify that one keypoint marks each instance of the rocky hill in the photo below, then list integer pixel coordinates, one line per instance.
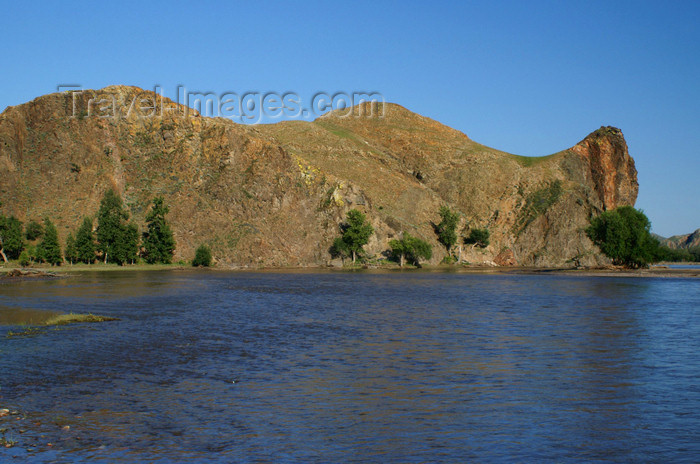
(685, 241)
(274, 195)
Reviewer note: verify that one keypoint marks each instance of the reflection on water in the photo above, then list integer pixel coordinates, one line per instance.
(329, 367)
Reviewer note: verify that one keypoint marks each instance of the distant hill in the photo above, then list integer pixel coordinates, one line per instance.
(275, 194)
(685, 241)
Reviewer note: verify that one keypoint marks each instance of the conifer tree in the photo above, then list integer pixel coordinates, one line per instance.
(85, 242)
(115, 238)
(33, 231)
(158, 241)
(71, 253)
(49, 248)
(129, 250)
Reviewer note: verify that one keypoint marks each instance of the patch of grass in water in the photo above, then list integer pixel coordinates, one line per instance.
(71, 318)
(26, 332)
(59, 320)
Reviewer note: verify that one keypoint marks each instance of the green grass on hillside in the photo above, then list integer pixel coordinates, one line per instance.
(529, 161)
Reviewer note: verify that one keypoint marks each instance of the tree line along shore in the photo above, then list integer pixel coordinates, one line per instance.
(623, 235)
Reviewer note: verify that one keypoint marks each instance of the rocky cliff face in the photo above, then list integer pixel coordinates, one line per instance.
(274, 195)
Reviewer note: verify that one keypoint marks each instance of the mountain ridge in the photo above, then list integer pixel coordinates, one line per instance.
(274, 194)
(682, 241)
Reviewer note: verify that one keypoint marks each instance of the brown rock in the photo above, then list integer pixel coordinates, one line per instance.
(505, 258)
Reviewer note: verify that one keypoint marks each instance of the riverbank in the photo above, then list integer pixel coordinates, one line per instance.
(45, 271)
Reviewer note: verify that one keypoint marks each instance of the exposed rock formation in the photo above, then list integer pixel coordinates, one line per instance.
(685, 241)
(273, 195)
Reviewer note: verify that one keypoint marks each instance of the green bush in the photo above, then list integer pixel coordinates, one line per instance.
(478, 238)
(24, 258)
(202, 257)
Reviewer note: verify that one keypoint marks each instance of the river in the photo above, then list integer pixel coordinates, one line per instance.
(306, 367)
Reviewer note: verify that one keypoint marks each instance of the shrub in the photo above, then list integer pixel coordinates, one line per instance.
(24, 258)
(202, 257)
(478, 238)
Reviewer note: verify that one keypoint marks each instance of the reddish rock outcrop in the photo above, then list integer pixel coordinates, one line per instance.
(612, 168)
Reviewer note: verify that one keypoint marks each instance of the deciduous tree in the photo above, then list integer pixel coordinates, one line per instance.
(446, 229)
(624, 236)
(11, 239)
(355, 233)
(410, 248)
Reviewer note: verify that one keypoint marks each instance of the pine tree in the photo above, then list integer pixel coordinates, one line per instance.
(71, 251)
(33, 230)
(49, 248)
(111, 228)
(129, 250)
(158, 241)
(85, 243)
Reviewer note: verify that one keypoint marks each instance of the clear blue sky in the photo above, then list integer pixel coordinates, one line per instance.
(525, 77)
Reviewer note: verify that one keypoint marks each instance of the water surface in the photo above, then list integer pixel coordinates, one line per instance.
(355, 367)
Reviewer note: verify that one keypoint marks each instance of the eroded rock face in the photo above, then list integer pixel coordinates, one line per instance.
(274, 195)
(611, 166)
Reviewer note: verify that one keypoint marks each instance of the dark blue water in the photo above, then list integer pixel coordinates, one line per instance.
(355, 367)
